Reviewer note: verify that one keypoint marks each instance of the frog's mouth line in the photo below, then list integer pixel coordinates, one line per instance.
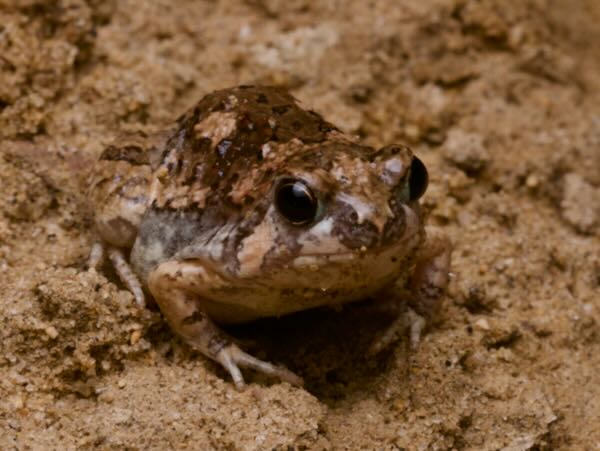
(402, 247)
(316, 259)
(405, 242)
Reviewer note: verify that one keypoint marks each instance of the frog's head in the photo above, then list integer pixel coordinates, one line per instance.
(342, 219)
(360, 201)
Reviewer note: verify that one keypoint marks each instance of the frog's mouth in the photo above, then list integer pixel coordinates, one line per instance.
(326, 248)
(393, 253)
(278, 256)
(321, 273)
(311, 281)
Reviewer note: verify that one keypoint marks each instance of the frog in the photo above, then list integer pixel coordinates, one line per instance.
(251, 206)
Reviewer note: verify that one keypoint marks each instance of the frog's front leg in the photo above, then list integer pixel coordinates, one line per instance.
(427, 286)
(175, 286)
(121, 266)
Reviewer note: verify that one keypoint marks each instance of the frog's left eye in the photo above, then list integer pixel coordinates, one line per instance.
(296, 202)
(418, 179)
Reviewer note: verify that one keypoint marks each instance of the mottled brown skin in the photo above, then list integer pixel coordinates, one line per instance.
(119, 188)
(197, 207)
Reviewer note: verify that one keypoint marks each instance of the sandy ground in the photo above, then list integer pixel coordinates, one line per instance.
(500, 98)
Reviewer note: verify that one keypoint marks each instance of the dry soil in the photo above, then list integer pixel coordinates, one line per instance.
(501, 99)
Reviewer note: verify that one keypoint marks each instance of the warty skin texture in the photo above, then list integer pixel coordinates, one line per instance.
(200, 207)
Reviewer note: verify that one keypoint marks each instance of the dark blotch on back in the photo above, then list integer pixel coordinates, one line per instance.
(138, 148)
(261, 98)
(280, 110)
(133, 154)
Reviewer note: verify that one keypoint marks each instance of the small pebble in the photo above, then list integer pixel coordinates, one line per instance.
(466, 150)
(135, 336)
(532, 181)
(51, 332)
(483, 324)
(17, 402)
(580, 203)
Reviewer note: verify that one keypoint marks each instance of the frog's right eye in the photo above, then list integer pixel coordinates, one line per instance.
(296, 202)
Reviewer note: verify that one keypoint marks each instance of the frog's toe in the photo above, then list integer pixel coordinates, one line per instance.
(121, 266)
(127, 276)
(96, 257)
(232, 357)
(410, 322)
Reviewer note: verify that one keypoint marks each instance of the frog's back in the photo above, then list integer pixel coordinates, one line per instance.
(224, 136)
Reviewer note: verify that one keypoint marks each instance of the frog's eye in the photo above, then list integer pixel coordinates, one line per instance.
(296, 202)
(418, 179)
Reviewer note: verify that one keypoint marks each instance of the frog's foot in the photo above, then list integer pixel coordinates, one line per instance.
(410, 322)
(231, 357)
(428, 286)
(126, 274)
(430, 278)
(173, 284)
(124, 271)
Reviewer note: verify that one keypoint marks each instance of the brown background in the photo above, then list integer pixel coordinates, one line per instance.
(500, 99)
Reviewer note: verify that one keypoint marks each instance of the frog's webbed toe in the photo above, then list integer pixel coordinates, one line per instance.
(232, 357)
(122, 267)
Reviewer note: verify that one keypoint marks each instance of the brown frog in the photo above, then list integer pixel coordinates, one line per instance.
(251, 206)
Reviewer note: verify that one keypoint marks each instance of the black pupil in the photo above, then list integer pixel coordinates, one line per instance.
(418, 179)
(296, 202)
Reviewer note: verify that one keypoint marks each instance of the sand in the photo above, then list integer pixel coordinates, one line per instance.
(501, 99)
